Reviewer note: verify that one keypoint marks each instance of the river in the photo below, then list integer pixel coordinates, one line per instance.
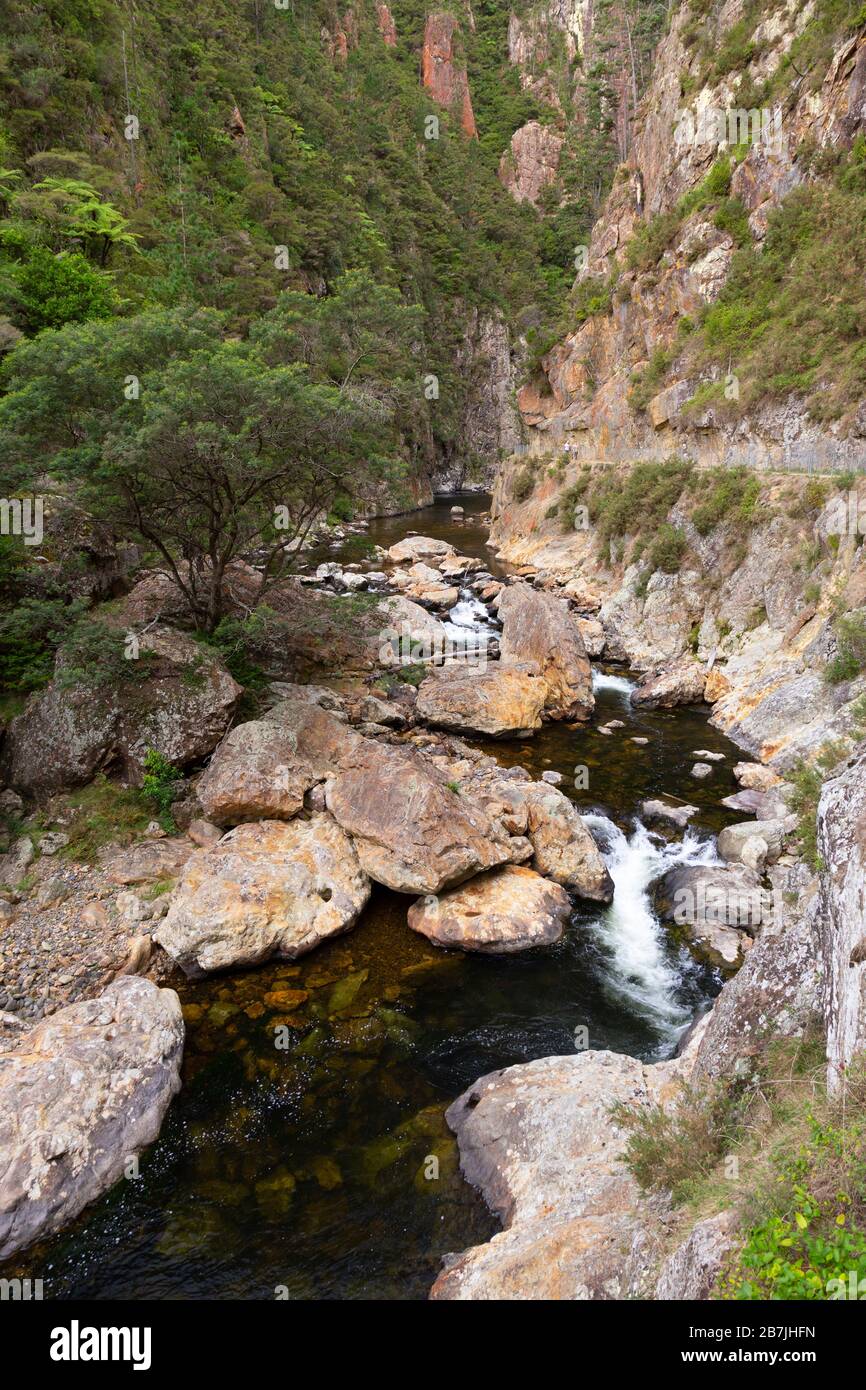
(306, 1173)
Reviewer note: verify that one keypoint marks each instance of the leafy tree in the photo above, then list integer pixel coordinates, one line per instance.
(192, 443)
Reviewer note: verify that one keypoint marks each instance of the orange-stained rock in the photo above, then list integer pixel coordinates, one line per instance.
(387, 28)
(444, 77)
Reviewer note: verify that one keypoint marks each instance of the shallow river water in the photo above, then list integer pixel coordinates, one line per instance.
(306, 1170)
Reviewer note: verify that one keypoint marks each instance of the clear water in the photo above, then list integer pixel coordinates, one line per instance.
(306, 1169)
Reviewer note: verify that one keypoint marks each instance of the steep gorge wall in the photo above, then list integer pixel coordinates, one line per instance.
(581, 395)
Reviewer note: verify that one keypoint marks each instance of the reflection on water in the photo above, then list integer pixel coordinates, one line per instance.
(308, 1167)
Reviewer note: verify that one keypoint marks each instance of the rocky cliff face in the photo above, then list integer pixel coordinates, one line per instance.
(755, 605)
(690, 118)
(842, 837)
(442, 70)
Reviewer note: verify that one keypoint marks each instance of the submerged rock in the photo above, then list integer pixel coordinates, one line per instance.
(80, 1094)
(267, 889)
(501, 701)
(541, 629)
(507, 910)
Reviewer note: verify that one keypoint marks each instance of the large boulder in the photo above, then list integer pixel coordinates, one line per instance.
(541, 1144)
(679, 683)
(498, 913)
(178, 699)
(501, 701)
(265, 889)
(414, 548)
(564, 850)
(842, 932)
(733, 840)
(80, 1094)
(412, 831)
(718, 902)
(540, 629)
(408, 633)
(263, 768)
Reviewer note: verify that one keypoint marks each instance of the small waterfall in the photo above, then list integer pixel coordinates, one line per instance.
(636, 969)
(601, 680)
(468, 626)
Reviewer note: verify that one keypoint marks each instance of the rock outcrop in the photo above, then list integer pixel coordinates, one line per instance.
(502, 701)
(265, 889)
(442, 72)
(842, 845)
(507, 910)
(539, 629)
(413, 833)
(178, 699)
(680, 683)
(80, 1095)
(531, 162)
(539, 1142)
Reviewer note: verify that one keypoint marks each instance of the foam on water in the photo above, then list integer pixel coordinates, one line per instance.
(602, 680)
(637, 969)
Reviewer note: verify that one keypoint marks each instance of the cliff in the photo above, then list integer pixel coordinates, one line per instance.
(719, 298)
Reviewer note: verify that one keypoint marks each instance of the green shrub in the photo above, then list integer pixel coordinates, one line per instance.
(160, 784)
(30, 633)
(647, 383)
(808, 779)
(524, 484)
(94, 656)
(850, 658)
(668, 549)
(732, 495)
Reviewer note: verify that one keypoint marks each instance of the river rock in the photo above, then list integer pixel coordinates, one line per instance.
(655, 810)
(681, 682)
(707, 895)
(539, 1142)
(733, 838)
(263, 768)
(414, 548)
(540, 629)
(413, 833)
(700, 771)
(181, 706)
(502, 701)
(80, 1094)
(755, 778)
(409, 633)
(149, 861)
(267, 889)
(507, 910)
(564, 849)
